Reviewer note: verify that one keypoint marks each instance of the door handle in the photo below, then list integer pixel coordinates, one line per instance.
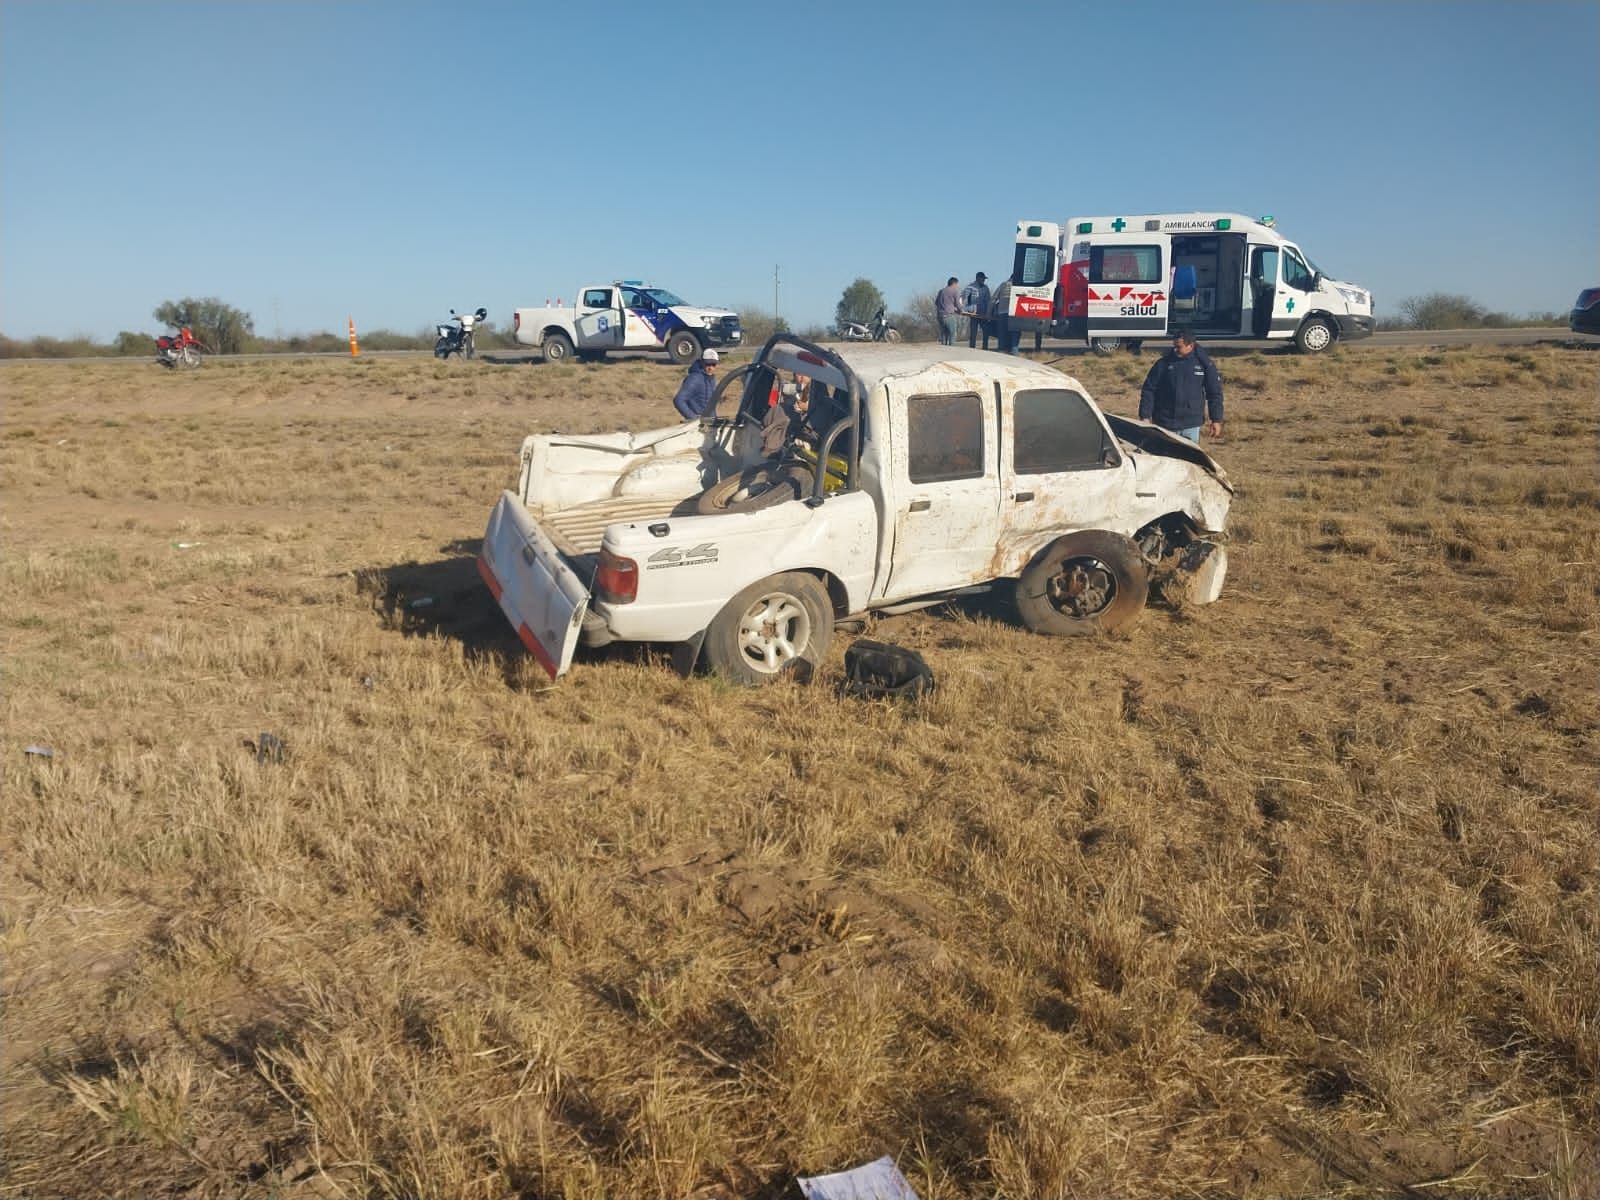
(921, 505)
(1022, 497)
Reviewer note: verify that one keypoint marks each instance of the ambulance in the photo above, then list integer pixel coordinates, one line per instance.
(1114, 281)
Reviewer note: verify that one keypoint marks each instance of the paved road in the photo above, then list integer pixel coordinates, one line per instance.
(1401, 337)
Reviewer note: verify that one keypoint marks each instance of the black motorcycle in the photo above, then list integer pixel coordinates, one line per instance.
(456, 338)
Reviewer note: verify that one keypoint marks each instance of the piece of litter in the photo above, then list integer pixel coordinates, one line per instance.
(269, 748)
(369, 682)
(186, 545)
(39, 751)
(421, 602)
(880, 1180)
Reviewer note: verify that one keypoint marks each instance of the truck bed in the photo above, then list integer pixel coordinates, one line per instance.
(577, 531)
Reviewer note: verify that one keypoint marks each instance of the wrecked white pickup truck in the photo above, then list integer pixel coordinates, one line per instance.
(917, 474)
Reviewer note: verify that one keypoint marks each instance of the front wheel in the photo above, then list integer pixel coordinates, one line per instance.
(891, 335)
(1089, 582)
(189, 357)
(772, 626)
(557, 347)
(468, 350)
(682, 346)
(1314, 336)
(1105, 345)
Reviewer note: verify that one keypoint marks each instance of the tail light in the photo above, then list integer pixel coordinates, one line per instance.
(617, 580)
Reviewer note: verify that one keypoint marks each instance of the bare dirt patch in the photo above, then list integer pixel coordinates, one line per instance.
(1291, 894)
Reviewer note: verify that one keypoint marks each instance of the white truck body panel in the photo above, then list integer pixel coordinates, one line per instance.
(951, 492)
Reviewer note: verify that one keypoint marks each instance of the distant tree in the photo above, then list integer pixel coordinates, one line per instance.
(223, 328)
(860, 302)
(920, 320)
(1441, 310)
(759, 324)
(129, 343)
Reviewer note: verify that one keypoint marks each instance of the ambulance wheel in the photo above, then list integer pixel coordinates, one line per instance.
(682, 346)
(779, 624)
(1314, 336)
(1105, 345)
(1089, 582)
(557, 348)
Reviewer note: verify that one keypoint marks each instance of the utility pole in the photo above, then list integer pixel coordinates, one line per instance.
(774, 294)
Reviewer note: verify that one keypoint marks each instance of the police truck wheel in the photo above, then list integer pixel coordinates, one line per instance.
(775, 625)
(1105, 345)
(682, 346)
(757, 487)
(1314, 336)
(1089, 582)
(557, 347)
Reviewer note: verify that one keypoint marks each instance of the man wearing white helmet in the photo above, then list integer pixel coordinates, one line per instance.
(699, 383)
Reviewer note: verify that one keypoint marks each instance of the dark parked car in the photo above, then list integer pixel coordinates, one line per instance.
(1586, 312)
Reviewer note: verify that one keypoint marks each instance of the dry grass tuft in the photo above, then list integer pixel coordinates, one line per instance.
(1294, 894)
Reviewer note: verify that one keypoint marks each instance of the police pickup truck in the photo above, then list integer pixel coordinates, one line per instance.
(625, 315)
(916, 474)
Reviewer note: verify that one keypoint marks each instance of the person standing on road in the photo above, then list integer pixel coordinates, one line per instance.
(975, 303)
(1182, 390)
(699, 384)
(947, 306)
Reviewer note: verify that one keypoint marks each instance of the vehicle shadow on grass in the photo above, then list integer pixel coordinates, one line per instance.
(447, 598)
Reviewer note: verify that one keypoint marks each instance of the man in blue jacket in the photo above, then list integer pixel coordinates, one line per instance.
(694, 393)
(1182, 390)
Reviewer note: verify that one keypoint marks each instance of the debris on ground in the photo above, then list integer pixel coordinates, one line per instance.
(269, 748)
(880, 1180)
(873, 669)
(39, 751)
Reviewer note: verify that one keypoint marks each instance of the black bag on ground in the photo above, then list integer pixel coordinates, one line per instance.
(874, 669)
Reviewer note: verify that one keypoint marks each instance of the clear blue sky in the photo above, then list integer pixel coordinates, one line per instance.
(306, 162)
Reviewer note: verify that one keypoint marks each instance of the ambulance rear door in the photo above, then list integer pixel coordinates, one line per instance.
(1127, 286)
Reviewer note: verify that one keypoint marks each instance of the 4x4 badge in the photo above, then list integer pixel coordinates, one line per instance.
(706, 552)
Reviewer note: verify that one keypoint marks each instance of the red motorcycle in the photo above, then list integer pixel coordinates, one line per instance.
(181, 349)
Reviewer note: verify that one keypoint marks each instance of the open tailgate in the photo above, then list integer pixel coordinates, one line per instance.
(541, 596)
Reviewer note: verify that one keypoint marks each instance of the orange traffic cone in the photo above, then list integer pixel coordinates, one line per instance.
(355, 348)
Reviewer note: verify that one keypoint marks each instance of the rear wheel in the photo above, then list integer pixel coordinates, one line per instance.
(1105, 345)
(1314, 336)
(775, 625)
(757, 487)
(682, 346)
(1089, 582)
(557, 347)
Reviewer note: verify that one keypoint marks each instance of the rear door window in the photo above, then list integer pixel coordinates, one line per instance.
(1125, 264)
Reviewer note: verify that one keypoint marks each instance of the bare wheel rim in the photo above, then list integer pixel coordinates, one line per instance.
(773, 632)
(1082, 587)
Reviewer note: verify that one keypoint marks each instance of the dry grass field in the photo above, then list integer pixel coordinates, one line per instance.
(1291, 895)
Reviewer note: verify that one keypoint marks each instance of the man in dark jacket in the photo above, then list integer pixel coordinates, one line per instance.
(1182, 390)
(694, 393)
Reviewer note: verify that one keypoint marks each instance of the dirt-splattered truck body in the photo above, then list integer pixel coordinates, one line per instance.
(917, 473)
